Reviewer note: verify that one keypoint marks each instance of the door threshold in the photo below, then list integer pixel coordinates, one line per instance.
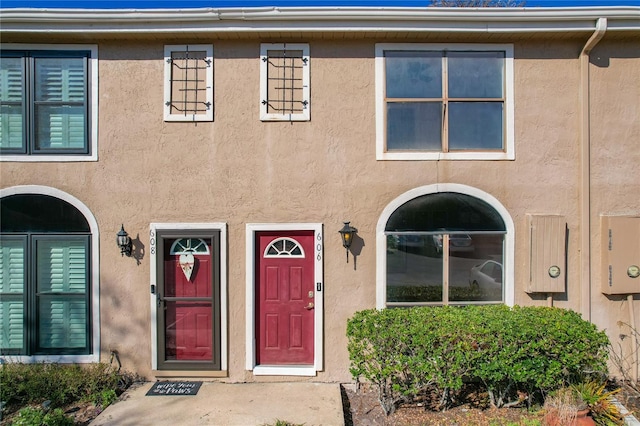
(284, 370)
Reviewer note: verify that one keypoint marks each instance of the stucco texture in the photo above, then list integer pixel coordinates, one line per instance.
(239, 170)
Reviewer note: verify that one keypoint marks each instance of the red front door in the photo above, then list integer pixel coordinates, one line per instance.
(285, 295)
(188, 300)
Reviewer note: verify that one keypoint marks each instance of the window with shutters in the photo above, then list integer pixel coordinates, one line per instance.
(45, 279)
(48, 103)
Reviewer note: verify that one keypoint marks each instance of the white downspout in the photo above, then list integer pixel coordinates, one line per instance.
(585, 165)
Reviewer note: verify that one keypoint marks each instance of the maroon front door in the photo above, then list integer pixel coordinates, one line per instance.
(188, 300)
(285, 298)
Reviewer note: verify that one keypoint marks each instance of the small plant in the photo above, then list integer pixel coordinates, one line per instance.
(105, 398)
(30, 416)
(563, 406)
(285, 423)
(600, 402)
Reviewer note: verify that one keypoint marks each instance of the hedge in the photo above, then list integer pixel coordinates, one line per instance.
(510, 351)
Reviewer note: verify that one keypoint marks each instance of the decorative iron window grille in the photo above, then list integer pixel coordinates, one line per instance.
(285, 82)
(189, 76)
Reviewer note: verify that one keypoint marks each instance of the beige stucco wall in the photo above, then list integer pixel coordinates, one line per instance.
(615, 178)
(240, 170)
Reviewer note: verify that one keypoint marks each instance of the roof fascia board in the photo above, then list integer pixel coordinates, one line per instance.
(333, 19)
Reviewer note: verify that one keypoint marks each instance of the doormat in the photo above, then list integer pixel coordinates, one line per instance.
(174, 388)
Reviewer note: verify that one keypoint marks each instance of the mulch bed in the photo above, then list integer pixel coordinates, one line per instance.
(362, 408)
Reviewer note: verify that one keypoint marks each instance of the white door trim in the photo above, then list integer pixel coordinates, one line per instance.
(311, 370)
(153, 240)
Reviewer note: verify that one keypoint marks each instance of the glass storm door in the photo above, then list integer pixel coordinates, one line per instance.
(285, 298)
(188, 304)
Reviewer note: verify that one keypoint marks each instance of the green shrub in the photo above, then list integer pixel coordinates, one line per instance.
(22, 384)
(517, 353)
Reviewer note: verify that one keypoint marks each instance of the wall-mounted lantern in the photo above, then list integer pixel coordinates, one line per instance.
(347, 233)
(124, 242)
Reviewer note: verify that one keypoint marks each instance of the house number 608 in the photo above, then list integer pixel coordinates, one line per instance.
(152, 241)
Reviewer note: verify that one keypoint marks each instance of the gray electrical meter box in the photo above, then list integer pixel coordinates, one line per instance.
(620, 254)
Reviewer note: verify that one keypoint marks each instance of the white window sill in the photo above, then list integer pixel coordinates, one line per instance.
(48, 158)
(62, 359)
(435, 156)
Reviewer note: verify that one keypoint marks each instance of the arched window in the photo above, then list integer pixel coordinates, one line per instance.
(189, 245)
(443, 247)
(284, 247)
(45, 277)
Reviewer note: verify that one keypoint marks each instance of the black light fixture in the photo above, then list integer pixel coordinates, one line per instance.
(347, 233)
(124, 242)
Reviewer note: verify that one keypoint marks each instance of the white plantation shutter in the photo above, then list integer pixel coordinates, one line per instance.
(11, 84)
(62, 266)
(61, 292)
(60, 103)
(12, 320)
(12, 278)
(62, 323)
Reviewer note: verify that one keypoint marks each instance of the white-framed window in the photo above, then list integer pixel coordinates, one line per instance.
(188, 82)
(48, 102)
(444, 101)
(284, 82)
(444, 244)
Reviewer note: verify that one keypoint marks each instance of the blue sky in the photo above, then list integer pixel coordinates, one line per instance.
(151, 4)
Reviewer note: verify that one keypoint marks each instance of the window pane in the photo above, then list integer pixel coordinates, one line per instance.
(12, 323)
(188, 332)
(485, 275)
(60, 79)
(12, 265)
(413, 74)
(414, 269)
(60, 95)
(445, 211)
(12, 279)
(62, 266)
(475, 125)
(189, 82)
(476, 74)
(63, 322)
(414, 126)
(285, 82)
(40, 213)
(60, 127)
(11, 93)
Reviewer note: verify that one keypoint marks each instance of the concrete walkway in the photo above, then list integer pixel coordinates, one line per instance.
(243, 404)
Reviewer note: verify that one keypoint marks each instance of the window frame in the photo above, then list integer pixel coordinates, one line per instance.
(305, 115)
(94, 261)
(31, 295)
(168, 81)
(508, 262)
(507, 153)
(90, 152)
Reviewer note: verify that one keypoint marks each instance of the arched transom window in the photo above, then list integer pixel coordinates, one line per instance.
(189, 245)
(284, 247)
